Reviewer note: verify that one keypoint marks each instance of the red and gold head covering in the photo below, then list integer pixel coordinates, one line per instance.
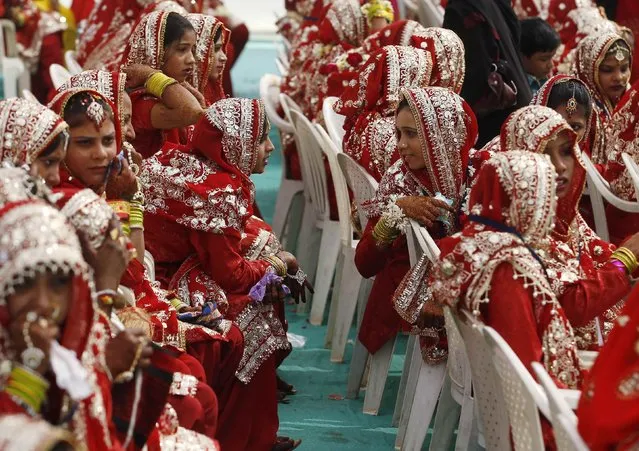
(590, 53)
(146, 44)
(344, 23)
(26, 129)
(447, 130)
(206, 186)
(206, 28)
(110, 84)
(36, 239)
(381, 79)
(448, 54)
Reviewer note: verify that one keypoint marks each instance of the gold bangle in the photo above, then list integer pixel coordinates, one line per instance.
(382, 233)
(627, 257)
(120, 207)
(157, 83)
(278, 265)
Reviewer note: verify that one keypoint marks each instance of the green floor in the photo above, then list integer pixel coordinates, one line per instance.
(319, 414)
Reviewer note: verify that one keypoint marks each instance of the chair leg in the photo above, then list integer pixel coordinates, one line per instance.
(446, 419)
(346, 305)
(409, 395)
(399, 402)
(332, 313)
(356, 370)
(308, 244)
(293, 224)
(327, 261)
(288, 190)
(429, 385)
(380, 364)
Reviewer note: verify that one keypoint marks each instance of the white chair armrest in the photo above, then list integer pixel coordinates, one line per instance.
(571, 397)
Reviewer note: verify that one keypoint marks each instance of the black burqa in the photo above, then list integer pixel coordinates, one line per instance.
(490, 32)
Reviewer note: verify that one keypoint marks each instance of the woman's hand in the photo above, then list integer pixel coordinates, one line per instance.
(137, 75)
(423, 209)
(274, 293)
(109, 261)
(122, 184)
(632, 244)
(121, 351)
(188, 309)
(197, 94)
(42, 332)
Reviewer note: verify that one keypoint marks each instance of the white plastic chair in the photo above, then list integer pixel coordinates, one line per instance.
(599, 189)
(353, 288)
(59, 75)
(563, 419)
(633, 171)
(287, 209)
(149, 264)
(334, 122)
(522, 394)
(456, 400)
(29, 96)
(281, 68)
(283, 58)
(317, 226)
(343, 250)
(72, 64)
(493, 417)
(15, 75)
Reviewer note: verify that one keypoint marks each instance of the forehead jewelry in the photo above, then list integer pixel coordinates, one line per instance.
(571, 105)
(95, 112)
(619, 51)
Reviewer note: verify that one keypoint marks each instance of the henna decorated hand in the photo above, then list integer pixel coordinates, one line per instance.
(121, 350)
(197, 94)
(137, 74)
(633, 244)
(423, 209)
(122, 184)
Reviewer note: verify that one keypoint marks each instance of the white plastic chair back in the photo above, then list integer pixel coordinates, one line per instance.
(283, 57)
(288, 105)
(72, 64)
(360, 182)
(334, 122)
(29, 96)
(15, 75)
(59, 75)
(458, 364)
(488, 393)
(280, 67)
(599, 189)
(522, 394)
(633, 171)
(312, 163)
(149, 264)
(425, 241)
(339, 183)
(287, 45)
(430, 12)
(563, 419)
(270, 95)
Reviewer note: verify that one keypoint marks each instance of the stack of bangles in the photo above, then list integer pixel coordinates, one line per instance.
(177, 304)
(130, 214)
(624, 259)
(383, 233)
(278, 265)
(157, 83)
(27, 388)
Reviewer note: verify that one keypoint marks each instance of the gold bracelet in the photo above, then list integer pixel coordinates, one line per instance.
(627, 257)
(28, 386)
(157, 83)
(382, 233)
(136, 217)
(278, 265)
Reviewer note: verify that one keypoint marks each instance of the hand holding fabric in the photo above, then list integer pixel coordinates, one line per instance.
(423, 209)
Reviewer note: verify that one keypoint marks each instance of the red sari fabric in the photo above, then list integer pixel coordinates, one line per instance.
(590, 52)
(517, 189)
(622, 134)
(146, 46)
(583, 279)
(59, 249)
(448, 129)
(206, 27)
(608, 411)
(628, 16)
(27, 128)
(216, 168)
(376, 96)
